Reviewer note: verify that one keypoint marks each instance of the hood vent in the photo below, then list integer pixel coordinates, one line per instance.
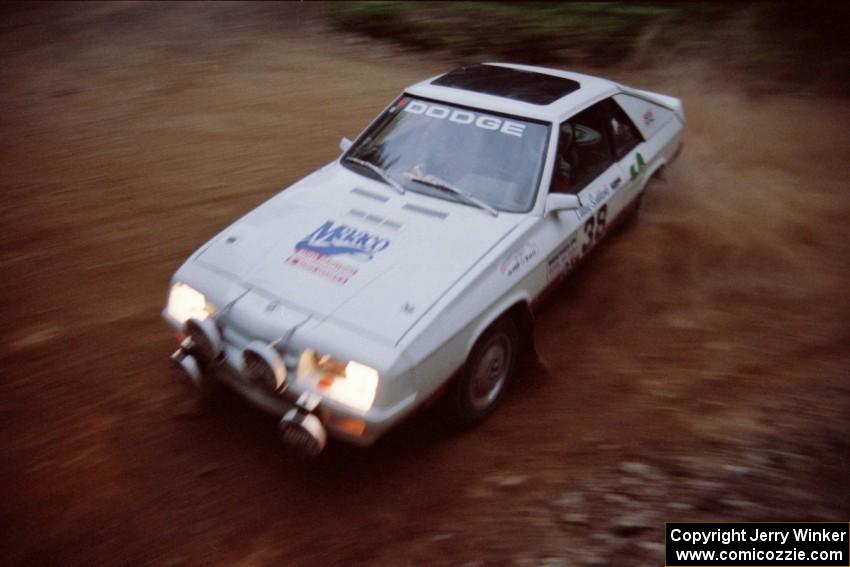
(370, 195)
(425, 211)
(381, 221)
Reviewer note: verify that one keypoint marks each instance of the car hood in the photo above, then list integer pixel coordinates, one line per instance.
(346, 248)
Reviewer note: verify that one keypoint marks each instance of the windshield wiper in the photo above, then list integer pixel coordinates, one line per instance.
(379, 172)
(438, 183)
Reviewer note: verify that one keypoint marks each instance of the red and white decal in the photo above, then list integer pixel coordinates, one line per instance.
(322, 266)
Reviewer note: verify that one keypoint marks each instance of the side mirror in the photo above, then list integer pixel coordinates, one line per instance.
(344, 144)
(561, 202)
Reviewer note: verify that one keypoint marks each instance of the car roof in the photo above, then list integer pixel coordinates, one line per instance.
(517, 84)
(522, 90)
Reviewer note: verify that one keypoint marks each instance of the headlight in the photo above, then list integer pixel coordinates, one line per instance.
(350, 383)
(185, 302)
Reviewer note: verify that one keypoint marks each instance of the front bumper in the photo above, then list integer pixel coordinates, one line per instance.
(341, 421)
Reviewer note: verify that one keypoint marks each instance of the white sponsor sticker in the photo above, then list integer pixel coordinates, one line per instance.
(518, 258)
(457, 116)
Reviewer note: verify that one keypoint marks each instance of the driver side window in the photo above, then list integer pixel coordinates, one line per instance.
(583, 151)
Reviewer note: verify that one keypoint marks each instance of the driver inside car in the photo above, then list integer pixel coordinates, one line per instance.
(439, 155)
(566, 161)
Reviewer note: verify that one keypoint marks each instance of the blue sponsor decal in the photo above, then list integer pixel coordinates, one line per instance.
(595, 200)
(333, 239)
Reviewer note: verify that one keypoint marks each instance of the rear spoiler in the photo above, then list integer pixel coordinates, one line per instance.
(666, 101)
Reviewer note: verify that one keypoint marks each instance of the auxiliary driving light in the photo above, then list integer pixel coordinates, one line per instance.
(302, 431)
(263, 366)
(204, 338)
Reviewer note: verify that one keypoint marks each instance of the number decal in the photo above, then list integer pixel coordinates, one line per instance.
(601, 217)
(594, 228)
(589, 232)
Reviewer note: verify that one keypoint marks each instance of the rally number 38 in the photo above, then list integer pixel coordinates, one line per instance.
(411, 265)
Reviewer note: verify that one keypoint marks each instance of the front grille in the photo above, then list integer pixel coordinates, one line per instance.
(237, 339)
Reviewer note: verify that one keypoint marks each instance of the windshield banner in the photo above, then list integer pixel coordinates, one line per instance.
(457, 116)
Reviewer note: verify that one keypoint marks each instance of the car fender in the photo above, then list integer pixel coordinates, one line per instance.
(519, 300)
(653, 169)
(437, 362)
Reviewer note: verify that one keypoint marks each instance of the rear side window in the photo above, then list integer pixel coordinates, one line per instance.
(624, 135)
(583, 151)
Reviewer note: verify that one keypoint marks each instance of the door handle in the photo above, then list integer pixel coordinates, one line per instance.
(616, 183)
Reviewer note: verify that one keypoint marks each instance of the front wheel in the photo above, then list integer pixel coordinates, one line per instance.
(489, 370)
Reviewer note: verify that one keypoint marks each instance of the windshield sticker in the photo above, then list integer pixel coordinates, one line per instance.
(401, 102)
(333, 239)
(518, 259)
(322, 266)
(457, 116)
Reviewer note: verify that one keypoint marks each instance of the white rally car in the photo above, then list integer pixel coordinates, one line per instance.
(412, 264)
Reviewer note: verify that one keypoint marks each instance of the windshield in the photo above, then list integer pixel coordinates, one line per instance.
(494, 159)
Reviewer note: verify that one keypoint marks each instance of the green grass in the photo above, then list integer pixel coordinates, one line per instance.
(534, 32)
(798, 41)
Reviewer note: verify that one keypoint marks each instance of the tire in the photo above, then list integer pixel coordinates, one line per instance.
(488, 372)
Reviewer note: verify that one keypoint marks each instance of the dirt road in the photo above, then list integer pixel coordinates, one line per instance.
(696, 368)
